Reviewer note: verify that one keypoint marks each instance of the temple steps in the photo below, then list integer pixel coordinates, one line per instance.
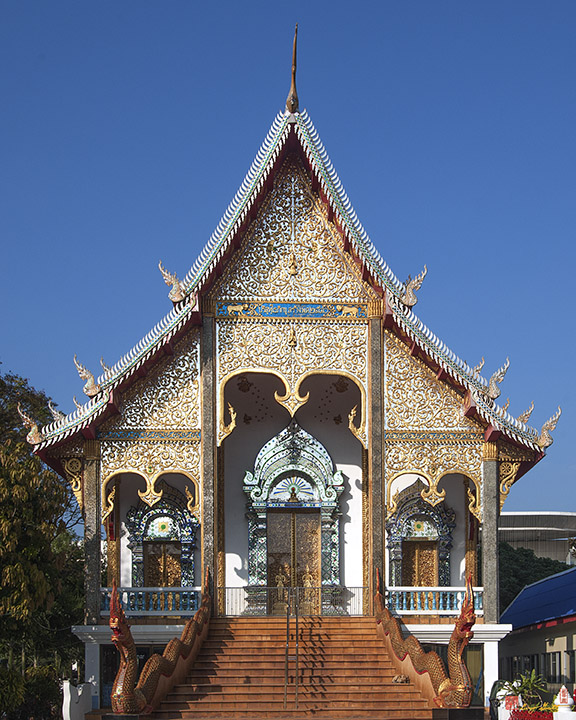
(343, 671)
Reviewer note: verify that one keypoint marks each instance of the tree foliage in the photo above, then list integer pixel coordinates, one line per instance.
(520, 567)
(41, 561)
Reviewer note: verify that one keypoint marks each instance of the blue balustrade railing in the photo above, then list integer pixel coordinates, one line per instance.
(431, 600)
(154, 601)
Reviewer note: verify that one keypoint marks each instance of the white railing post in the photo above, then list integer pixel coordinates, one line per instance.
(405, 600)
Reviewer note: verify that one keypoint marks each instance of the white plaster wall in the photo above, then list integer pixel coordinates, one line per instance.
(325, 416)
(130, 483)
(456, 499)
(260, 418)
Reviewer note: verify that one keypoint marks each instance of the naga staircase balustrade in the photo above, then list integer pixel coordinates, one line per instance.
(133, 695)
(426, 669)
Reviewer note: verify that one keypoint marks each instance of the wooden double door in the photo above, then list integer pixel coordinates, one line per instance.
(162, 564)
(420, 563)
(293, 558)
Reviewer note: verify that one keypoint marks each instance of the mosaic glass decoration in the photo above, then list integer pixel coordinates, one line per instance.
(169, 519)
(416, 519)
(292, 471)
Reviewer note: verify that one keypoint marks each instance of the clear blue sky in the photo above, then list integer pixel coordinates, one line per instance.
(126, 127)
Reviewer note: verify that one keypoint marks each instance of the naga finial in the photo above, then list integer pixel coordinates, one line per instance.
(56, 414)
(78, 405)
(90, 388)
(105, 367)
(506, 404)
(292, 99)
(176, 293)
(34, 436)
(526, 414)
(412, 286)
(545, 439)
(118, 623)
(494, 384)
(477, 368)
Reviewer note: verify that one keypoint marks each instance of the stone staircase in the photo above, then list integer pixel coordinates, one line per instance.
(344, 671)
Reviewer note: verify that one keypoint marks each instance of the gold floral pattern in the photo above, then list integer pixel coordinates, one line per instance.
(415, 398)
(293, 251)
(148, 459)
(168, 397)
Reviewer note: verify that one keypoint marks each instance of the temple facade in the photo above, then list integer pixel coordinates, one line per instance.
(290, 423)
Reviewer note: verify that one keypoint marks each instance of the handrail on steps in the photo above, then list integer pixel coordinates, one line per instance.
(292, 604)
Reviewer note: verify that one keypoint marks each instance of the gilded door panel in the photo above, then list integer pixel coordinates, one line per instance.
(162, 569)
(293, 540)
(420, 563)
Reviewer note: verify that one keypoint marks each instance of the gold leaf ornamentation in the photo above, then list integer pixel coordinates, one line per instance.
(508, 471)
(432, 459)
(415, 398)
(108, 506)
(360, 431)
(292, 251)
(169, 396)
(225, 429)
(337, 347)
(73, 470)
(149, 459)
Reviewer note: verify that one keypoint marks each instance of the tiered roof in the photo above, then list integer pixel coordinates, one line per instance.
(292, 131)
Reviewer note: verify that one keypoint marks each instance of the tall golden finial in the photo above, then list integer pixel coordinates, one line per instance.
(292, 99)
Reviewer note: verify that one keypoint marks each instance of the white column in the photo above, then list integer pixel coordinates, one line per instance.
(490, 667)
(92, 670)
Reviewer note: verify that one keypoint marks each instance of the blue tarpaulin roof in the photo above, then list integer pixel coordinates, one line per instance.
(548, 599)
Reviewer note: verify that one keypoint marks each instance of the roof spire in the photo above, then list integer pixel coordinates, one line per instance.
(292, 99)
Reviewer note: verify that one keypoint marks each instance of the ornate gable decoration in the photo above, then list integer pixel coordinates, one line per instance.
(415, 399)
(292, 253)
(167, 399)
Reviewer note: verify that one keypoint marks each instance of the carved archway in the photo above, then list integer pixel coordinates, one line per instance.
(168, 520)
(293, 471)
(417, 519)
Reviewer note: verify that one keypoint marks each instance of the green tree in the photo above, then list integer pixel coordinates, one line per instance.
(520, 567)
(40, 560)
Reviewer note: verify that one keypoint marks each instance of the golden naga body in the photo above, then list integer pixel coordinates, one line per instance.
(452, 689)
(130, 694)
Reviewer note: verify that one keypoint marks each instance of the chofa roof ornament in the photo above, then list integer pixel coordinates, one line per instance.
(56, 414)
(412, 286)
(176, 293)
(526, 414)
(34, 436)
(494, 391)
(292, 100)
(90, 388)
(545, 439)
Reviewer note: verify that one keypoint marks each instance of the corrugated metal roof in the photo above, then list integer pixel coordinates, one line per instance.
(548, 599)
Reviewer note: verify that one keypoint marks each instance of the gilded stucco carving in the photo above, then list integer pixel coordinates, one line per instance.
(432, 459)
(507, 471)
(168, 397)
(415, 398)
(225, 429)
(266, 345)
(73, 471)
(511, 457)
(148, 459)
(425, 431)
(293, 251)
(291, 353)
(359, 431)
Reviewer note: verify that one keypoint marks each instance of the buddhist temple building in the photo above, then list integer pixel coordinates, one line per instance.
(290, 423)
